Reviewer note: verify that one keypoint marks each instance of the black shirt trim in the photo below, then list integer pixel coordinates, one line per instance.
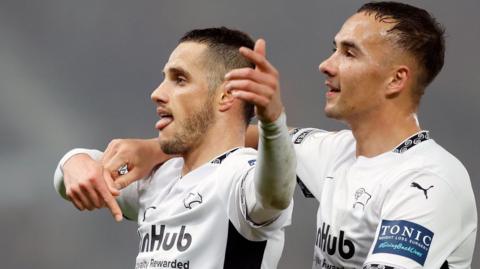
(412, 141)
(242, 253)
(222, 157)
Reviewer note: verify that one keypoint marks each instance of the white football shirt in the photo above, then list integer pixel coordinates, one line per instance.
(412, 207)
(199, 220)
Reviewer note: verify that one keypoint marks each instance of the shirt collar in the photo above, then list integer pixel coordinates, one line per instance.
(219, 159)
(412, 141)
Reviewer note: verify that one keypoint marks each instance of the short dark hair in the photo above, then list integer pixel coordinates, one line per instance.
(417, 32)
(223, 55)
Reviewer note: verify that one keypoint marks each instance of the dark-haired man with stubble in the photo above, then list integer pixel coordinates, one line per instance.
(389, 196)
(215, 205)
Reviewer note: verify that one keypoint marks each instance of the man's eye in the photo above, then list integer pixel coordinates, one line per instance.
(180, 79)
(348, 53)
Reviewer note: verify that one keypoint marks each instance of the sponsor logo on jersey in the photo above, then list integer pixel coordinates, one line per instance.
(404, 238)
(330, 243)
(192, 200)
(323, 263)
(252, 162)
(154, 263)
(302, 136)
(416, 185)
(361, 198)
(158, 238)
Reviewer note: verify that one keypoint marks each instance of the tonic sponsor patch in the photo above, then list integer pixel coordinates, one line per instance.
(404, 238)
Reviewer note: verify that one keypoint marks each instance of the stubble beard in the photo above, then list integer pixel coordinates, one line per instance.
(190, 131)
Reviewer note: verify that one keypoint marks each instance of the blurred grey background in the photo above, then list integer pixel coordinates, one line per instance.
(79, 73)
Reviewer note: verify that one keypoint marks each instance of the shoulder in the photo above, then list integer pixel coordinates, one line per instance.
(302, 135)
(428, 178)
(242, 158)
(430, 160)
(312, 145)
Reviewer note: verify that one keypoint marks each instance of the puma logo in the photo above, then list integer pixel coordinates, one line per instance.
(416, 185)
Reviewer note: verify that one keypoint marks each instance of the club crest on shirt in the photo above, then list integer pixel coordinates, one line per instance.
(361, 198)
(192, 200)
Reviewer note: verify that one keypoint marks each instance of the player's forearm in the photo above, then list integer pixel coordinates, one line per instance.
(275, 170)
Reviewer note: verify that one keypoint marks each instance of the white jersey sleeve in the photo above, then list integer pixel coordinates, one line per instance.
(317, 150)
(237, 191)
(419, 224)
(128, 198)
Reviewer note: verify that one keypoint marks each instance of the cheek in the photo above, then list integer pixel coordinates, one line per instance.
(188, 103)
(363, 76)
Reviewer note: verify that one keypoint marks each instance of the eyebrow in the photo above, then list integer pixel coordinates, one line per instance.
(176, 70)
(348, 44)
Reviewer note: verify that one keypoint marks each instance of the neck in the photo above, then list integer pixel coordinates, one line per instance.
(217, 140)
(383, 132)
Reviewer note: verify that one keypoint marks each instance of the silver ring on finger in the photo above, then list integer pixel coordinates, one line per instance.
(123, 169)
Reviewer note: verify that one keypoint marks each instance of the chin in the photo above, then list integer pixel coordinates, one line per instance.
(333, 114)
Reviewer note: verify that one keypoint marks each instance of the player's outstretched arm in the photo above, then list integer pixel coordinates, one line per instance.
(82, 180)
(139, 155)
(275, 171)
(90, 179)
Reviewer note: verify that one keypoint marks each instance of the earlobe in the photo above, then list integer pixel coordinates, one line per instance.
(398, 81)
(226, 101)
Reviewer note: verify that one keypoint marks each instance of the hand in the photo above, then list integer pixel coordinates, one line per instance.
(259, 86)
(88, 186)
(140, 155)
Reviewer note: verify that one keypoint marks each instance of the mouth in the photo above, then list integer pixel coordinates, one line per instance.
(165, 119)
(332, 89)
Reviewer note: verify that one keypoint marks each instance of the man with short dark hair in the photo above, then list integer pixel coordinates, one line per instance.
(389, 195)
(216, 205)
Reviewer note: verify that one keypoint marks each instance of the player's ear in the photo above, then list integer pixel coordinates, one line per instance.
(226, 99)
(398, 81)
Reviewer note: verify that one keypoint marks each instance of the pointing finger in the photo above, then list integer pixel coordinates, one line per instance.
(260, 47)
(107, 196)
